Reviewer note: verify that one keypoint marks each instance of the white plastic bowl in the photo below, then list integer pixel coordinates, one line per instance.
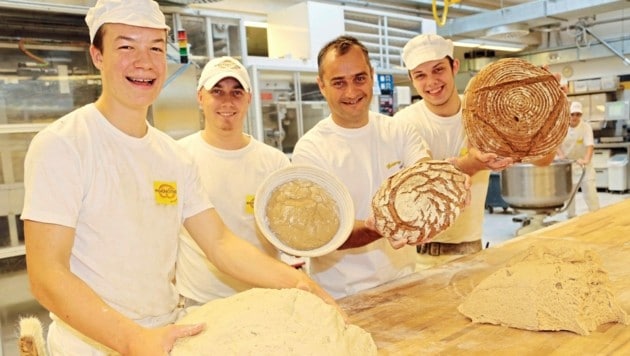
(330, 183)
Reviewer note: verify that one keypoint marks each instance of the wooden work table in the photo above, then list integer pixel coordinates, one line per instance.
(417, 315)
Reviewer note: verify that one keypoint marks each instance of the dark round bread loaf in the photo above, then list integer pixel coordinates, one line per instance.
(515, 109)
(420, 201)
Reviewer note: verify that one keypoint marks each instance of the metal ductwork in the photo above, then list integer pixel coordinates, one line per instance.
(531, 14)
(185, 2)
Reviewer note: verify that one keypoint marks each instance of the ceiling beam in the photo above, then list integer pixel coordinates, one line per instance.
(530, 11)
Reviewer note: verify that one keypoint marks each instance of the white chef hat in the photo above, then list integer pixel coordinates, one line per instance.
(576, 107)
(424, 48)
(223, 67)
(141, 13)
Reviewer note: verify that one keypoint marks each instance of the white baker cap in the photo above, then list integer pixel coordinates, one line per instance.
(425, 48)
(576, 106)
(141, 13)
(223, 67)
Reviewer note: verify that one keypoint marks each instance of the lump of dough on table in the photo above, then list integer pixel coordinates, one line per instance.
(272, 322)
(551, 288)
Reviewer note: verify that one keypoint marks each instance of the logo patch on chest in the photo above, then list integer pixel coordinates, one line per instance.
(165, 192)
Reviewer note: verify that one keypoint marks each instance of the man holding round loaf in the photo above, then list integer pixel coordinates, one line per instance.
(363, 149)
(432, 69)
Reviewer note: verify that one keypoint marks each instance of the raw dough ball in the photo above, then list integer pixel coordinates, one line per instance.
(419, 201)
(557, 288)
(302, 215)
(272, 322)
(515, 109)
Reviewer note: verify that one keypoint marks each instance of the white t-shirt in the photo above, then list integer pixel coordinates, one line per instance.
(125, 197)
(362, 159)
(577, 141)
(446, 138)
(231, 178)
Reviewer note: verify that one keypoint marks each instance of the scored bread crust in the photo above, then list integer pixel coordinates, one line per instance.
(420, 201)
(515, 109)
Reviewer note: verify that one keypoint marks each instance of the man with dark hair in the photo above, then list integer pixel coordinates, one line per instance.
(362, 149)
(438, 117)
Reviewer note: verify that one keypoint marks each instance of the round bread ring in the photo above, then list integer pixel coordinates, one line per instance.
(515, 109)
(419, 201)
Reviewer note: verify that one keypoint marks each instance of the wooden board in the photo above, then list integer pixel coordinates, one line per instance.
(417, 315)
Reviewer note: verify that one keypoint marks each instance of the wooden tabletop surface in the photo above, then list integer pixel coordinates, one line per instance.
(417, 315)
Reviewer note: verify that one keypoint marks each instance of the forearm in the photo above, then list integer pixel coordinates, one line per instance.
(78, 306)
(360, 236)
(245, 262)
(68, 297)
(589, 154)
(468, 164)
(238, 257)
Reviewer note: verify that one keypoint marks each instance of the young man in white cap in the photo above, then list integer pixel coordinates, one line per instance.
(438, 117)
(578, 145)
(362, 149)
(224, 95)
(105, 198)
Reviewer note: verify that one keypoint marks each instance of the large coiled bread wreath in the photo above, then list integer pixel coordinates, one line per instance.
(515, 109)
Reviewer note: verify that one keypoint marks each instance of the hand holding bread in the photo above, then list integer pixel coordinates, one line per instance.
(415, 204)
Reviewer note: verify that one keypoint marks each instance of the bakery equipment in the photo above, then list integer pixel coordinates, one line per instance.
(616, 125)
(618, 173)
(330, 183)
(538, 191)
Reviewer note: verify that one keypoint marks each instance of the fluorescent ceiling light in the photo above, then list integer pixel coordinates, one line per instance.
(493, 45)
(258, 24)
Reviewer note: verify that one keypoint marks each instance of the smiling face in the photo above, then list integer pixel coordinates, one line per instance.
(346, 83)
(435, 83)
(224, 106)
(576, 117)
(132, 65)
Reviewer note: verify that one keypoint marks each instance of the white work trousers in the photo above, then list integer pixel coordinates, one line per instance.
(588, 186)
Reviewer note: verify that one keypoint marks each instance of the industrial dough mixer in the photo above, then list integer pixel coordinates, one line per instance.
(538, 191)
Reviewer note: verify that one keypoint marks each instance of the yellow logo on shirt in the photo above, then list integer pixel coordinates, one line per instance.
(463, 152)
(165, 192)
(580, 141)
(392, 164)
(249, 204)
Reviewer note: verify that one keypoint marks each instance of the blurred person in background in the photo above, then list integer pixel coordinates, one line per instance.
(578, 146)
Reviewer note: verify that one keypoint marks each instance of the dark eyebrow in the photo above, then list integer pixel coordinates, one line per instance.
(353, 76)
(127, 38)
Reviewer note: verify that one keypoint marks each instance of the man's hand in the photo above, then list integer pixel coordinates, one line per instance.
(371, 224)
(400, 242)
(475, 161)
(309, 285)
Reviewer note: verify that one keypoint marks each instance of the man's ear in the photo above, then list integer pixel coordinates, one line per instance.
(320, 84)
(97, 57)
(456, 65)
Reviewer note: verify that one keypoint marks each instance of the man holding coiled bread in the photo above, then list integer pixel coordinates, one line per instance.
(438, 117)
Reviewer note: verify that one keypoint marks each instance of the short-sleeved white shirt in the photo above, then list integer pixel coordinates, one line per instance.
(362, 159)
(126, 198)
(231, 178)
